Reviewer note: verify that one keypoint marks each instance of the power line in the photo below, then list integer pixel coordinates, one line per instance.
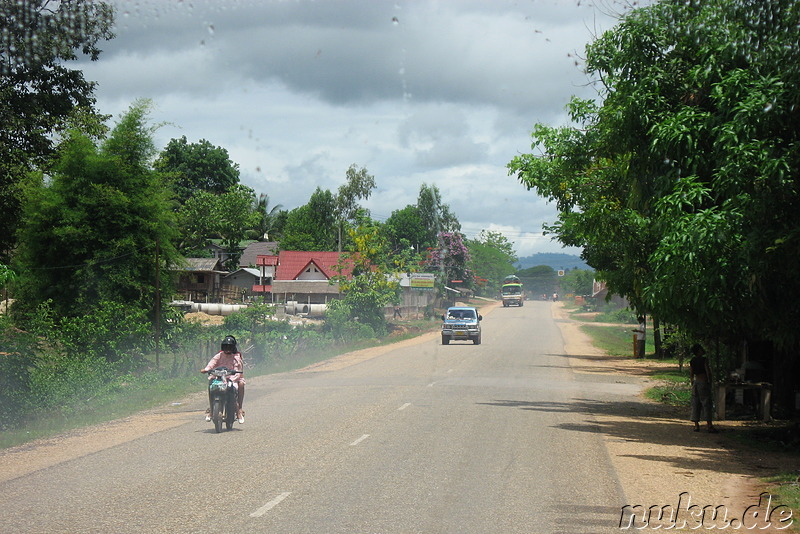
(87, 264)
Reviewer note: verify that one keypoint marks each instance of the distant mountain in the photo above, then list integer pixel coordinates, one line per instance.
(554, 260)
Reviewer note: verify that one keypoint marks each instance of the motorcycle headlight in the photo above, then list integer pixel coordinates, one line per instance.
(218, 386)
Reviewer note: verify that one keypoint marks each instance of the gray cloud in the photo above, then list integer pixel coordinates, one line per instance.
(443, 93)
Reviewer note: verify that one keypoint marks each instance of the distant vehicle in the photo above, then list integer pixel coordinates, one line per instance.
(511, 292)
(461, 323)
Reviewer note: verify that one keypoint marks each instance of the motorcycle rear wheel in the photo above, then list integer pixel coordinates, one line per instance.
(216, 414)
(230, 411)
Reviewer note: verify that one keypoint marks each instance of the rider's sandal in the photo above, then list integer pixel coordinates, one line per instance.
(241, 416)
(208, 415)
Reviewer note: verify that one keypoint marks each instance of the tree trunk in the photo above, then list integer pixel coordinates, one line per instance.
(657, 338)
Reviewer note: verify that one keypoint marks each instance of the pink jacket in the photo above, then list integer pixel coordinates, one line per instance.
(231, 361)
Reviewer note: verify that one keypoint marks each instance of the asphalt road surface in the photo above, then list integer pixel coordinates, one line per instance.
(490, 438)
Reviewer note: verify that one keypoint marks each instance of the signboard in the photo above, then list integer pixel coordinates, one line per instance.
(561, 272)
(422, 281)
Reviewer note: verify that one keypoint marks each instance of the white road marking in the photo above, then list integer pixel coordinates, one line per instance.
(270, 505)
(403, 407)
(359, 440)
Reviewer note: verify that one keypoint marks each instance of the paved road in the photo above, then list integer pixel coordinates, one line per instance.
(463, 438)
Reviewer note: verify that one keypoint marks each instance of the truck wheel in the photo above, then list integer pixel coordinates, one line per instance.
(476, 341)
(445, 340)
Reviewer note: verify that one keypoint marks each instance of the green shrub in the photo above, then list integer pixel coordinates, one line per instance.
(254, 318)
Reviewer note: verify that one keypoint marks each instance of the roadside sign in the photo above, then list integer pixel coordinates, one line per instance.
(422, 281)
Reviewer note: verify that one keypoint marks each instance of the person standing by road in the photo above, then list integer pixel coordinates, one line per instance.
(641, 336)
(700, 377)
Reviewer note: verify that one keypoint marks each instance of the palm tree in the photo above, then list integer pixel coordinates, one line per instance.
(267, 216)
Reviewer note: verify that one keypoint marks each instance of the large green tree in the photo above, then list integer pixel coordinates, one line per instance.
(437, 217)
(235, 217)
(100, 227)
(230, 216)
(538, 281)
(681, 181)
(370, 289)
(492, 258)
(405, 226)
(195, 167)
(312, 226)
(359, 186)
(40, 96)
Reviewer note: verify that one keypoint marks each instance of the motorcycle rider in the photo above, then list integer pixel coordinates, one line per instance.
(230, 357)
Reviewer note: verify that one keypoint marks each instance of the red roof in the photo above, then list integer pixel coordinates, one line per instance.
(292, 263)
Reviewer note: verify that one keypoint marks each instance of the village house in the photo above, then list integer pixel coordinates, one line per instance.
(300, 276)
(200, 280)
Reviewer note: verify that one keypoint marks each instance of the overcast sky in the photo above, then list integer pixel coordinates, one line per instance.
(438, 92)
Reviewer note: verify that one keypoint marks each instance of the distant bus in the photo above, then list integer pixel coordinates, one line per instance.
(511, 292)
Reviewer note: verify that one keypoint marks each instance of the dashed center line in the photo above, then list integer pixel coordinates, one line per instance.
(270, 505)
(359, 440)
(403, 407)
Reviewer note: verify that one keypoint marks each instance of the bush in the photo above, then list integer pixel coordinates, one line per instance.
(17, 350)
(58, 381)
(114, 331)
(254, 318)
(342, 326)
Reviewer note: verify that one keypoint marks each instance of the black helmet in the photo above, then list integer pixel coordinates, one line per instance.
(229, 344)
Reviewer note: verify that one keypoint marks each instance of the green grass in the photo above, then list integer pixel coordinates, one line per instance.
(127, 401)
(615, 340)
(786, 488)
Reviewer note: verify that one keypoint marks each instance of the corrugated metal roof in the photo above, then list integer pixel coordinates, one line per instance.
(259, 248)
(253, 272)
(202, 264)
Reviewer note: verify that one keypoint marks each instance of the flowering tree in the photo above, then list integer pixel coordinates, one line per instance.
(451, 258)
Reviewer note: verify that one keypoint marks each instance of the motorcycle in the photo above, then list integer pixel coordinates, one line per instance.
(222, 395)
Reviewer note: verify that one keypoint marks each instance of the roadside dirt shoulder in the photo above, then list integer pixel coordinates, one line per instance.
(656, 454)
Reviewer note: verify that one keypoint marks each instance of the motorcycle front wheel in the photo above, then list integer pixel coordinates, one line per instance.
(216, 414)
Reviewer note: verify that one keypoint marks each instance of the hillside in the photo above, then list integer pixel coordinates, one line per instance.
(555, 260)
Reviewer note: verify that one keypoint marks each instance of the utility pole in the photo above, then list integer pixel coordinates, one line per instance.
(158, 305)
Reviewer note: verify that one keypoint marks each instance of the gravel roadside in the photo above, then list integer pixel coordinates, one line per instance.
(656, 454)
